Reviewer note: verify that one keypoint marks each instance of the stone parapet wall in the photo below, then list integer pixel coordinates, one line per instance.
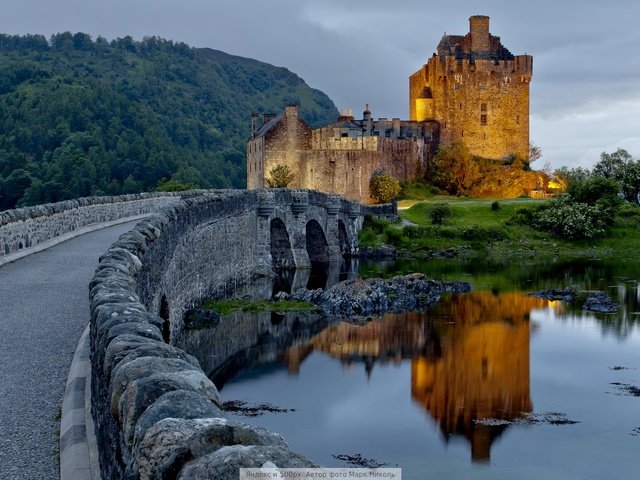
(29, 227)
(157, 414)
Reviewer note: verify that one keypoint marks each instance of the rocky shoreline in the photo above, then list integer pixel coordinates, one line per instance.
(595, 301)
(376, 296)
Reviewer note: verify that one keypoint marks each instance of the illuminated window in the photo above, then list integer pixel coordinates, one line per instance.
(483, 119)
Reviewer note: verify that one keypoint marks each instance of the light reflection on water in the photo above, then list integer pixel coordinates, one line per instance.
(408, 389)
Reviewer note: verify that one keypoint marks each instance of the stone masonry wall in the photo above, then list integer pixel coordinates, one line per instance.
(157, 414)
(28, 227)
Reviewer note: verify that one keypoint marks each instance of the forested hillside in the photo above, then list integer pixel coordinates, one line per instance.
(83, 117)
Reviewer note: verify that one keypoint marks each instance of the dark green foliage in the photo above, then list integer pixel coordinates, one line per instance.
(484, 233)
(438, 212)
(81, 117)
(597, 191)
(523, 216)
(280, 176)
(377, 225)
(393, 235)
(495, 205)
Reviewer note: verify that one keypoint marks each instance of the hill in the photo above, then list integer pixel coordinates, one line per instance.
(83, 117)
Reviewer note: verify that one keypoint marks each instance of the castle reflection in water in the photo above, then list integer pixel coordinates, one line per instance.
(469, 360)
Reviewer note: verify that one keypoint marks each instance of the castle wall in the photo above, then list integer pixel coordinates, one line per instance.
(347, 172)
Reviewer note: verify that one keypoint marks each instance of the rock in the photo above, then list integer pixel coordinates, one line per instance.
(138, 369)
(375, 296)
(141, 393)
(600, 302)
(383, 251)
(176, 404)
(225, 463)
(566, 295)
(115, 356)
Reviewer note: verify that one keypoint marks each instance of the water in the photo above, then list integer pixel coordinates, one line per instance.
(468, 389)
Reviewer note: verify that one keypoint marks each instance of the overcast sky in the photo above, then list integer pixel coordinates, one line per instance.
(585, 93)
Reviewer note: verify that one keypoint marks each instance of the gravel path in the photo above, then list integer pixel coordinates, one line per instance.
(44, 307)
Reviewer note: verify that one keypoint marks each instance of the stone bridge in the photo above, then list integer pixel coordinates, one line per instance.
(197, 245)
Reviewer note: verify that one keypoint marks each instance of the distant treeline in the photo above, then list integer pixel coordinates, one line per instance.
(83, 117)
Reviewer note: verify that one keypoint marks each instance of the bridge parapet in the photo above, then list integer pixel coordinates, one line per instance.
(151, 401)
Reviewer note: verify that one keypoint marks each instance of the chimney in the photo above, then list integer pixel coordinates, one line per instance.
(254, 123)
(291, 110)
(480, 37)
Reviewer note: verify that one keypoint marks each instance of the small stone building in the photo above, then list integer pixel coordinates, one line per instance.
(339, 158)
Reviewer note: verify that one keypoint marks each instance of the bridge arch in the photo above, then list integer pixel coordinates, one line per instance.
(281, 252)
(317, 245)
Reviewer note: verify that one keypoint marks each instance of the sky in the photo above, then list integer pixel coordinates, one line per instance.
(585, 92)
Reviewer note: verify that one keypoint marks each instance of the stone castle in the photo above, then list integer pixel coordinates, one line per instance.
(472, 90)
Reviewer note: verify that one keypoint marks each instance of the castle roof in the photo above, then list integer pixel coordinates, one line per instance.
(265, 128)
(459, 46)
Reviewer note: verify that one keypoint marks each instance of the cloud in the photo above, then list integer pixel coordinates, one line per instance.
(586, 64)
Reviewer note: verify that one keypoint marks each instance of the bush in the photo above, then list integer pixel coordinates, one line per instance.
(383, 188)
(597, 191)
(367, 238)
(280, 176)
(495, 206)
(487, 234)
(523, 216)
(438, 212)
(571, 220)
(393, 235)
(376, 224)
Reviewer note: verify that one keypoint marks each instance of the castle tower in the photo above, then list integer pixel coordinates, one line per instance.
(478, 91)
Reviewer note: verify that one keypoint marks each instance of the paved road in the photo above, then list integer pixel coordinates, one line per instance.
(44, 307)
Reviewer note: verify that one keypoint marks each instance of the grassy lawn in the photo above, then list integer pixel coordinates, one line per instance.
(474, 228)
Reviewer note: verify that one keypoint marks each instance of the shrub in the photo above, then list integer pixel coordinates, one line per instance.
(367, 238)
(438, 212)
(495, 206)
(393, 235)
(280, 176)
(374, 223)
(523, 216)
(383, 188)
(571, 220)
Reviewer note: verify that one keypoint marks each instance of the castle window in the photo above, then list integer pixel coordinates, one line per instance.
(462, 133)
(518, 119)
(483, 107)
(457, 86)
(460, 106)
(483, 119)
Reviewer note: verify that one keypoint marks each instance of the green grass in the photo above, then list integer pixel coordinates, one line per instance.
(229, 305)
(475, 229)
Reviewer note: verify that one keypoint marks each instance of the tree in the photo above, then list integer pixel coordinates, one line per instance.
(534, 152)
(382, 187)
(280, 176)
(622, 168)
(612, 165)
(454, 169)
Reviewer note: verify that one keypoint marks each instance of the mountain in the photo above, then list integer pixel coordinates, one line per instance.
(83, 117)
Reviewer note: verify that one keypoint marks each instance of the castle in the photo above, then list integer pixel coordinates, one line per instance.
(472, 90)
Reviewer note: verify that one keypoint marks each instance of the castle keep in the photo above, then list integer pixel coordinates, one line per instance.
(477, 91)
(472, 90)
